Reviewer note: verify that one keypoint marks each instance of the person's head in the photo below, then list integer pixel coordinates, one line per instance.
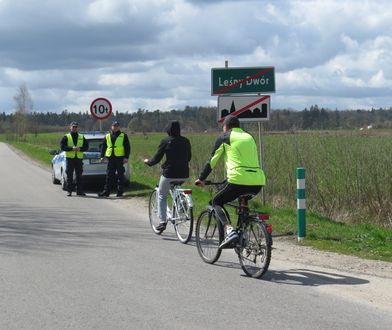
(115, 126)
(173, 128)
(230, 122)
(74, 126)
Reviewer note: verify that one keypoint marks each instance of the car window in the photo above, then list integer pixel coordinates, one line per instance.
(94, 145)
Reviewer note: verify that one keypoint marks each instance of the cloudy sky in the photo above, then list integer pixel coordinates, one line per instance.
(158, 54)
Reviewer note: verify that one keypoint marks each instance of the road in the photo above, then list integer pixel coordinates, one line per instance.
(89, 263)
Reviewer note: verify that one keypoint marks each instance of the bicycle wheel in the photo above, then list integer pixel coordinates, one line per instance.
(183, 218)
(153, 211)
(255, 255)
(209, 235)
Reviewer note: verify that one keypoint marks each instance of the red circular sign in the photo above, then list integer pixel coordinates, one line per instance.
(101, 108)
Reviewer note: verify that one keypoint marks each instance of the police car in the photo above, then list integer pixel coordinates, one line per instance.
(93, 169)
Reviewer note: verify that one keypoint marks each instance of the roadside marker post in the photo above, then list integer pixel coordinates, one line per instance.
(301, 205)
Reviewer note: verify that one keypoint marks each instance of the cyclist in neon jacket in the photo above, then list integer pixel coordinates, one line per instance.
(243, 172)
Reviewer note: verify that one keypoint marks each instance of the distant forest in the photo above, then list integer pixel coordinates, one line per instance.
(199, 119)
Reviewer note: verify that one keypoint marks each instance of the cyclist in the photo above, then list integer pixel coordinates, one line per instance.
(177, 149)
(243, 172)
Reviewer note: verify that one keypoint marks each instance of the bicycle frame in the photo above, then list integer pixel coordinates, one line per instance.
(179, 212)
(175, 193)
(245, 214)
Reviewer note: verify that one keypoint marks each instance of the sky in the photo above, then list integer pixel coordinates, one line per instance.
(158, 54)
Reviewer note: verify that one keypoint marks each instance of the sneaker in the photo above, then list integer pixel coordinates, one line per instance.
(119, 193)
(69, 193)
(231, 237)
(104, 194)
(81, 193)
(161, 226)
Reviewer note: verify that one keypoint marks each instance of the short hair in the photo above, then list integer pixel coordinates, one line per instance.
(231, 121)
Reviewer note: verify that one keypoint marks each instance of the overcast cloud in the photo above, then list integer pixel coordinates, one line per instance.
(158, 54)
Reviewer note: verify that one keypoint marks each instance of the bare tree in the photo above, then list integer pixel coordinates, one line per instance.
(24, 105)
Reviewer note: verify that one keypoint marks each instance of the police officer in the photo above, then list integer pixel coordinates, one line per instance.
(74, 144)
(116, 149)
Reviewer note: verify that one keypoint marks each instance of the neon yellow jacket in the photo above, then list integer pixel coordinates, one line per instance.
(241, 159)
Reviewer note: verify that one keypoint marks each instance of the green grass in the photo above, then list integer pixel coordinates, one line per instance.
(329, 180)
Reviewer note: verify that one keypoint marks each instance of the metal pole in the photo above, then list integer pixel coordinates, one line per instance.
(261, 155)
(100, 125)
(301, 205)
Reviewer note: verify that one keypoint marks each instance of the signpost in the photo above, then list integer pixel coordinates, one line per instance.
(246, 108)
(101, 109)
(242, 80)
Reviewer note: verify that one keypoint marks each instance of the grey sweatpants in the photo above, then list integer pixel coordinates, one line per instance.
(163, 192)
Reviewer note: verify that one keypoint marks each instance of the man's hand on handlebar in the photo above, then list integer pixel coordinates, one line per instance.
(199, 182)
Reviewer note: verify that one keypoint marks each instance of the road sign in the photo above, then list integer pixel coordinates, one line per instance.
(246, 108)
(242, 80)
(101, 108)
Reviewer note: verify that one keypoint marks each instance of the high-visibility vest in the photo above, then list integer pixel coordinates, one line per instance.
(118, 147)
(70, 143)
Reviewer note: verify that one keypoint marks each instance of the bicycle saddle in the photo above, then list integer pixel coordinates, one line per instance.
(247, 196)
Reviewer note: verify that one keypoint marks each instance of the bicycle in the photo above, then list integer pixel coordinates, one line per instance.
(255, 236)
(179, 211)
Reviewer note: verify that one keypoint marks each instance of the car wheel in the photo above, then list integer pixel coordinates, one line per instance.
(54, 180)
(63, 180)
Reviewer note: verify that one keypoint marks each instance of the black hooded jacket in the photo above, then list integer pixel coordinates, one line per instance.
(177, 149)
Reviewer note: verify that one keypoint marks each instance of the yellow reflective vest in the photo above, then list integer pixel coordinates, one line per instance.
(70, 143)
(118, 146)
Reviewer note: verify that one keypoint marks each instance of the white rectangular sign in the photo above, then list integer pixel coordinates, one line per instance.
(246, 108)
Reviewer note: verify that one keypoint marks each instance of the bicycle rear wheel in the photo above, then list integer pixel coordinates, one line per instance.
(153, 212)
(209, 235)
(183, 218)
(255, 255)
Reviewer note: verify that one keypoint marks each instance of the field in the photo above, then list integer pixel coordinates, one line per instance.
(348, 183)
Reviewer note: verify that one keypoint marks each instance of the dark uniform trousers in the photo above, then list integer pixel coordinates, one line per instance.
(115, 164)
(74, 164)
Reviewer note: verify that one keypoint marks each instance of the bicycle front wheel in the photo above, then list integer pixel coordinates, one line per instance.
(255, 255)
(183, 218)
(209, 235)
(153, 212)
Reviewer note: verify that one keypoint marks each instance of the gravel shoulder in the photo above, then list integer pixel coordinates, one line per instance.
(288, 249)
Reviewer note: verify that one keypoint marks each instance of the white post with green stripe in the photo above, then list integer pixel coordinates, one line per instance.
(301, 205)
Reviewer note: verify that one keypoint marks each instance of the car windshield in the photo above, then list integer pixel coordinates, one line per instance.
(94, 145)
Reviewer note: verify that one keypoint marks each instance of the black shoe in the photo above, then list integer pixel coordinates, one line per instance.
(119, 193)
(81, 193)
(69, 193)
(104, 194)
(161, 226)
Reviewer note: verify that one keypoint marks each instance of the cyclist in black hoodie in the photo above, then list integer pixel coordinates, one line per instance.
(177, 149)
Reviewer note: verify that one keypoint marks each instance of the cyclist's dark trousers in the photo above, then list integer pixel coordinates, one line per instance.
(229, 193)
(74, 164)
(115, 164)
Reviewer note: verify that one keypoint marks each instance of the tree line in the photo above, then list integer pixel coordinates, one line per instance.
(194, 119)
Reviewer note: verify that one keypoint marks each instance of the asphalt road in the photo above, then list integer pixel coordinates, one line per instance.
(89, 263)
